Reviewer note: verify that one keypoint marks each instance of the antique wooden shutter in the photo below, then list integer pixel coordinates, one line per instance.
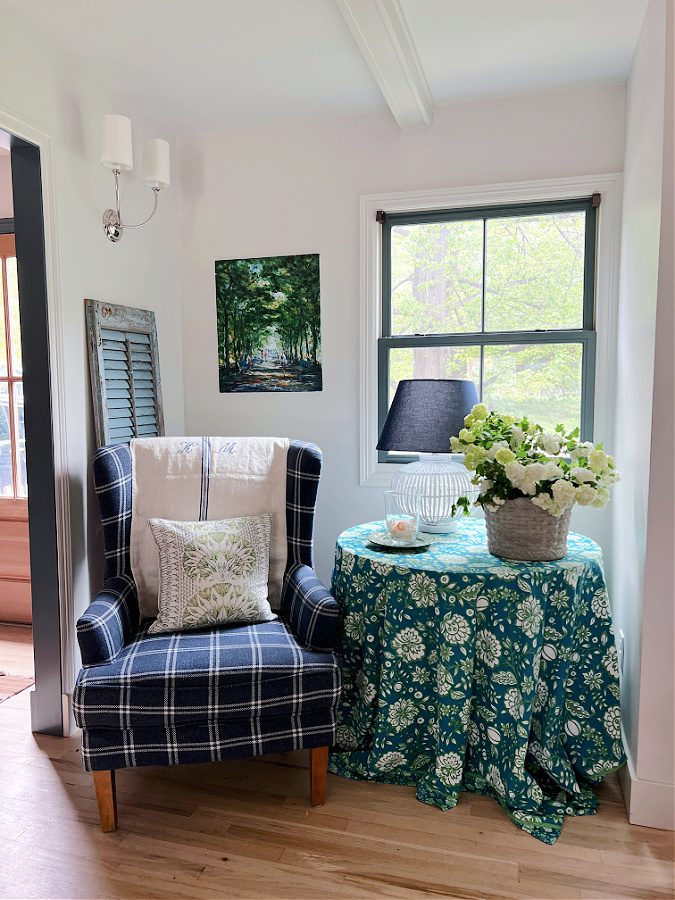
(124, 366)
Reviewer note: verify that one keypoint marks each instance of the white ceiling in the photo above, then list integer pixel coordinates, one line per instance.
(487, 48)
(211, 65)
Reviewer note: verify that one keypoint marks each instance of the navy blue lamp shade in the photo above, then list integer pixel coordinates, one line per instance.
(425, 413)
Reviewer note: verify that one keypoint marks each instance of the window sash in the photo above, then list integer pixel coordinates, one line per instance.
(8, 251)
(586, 335)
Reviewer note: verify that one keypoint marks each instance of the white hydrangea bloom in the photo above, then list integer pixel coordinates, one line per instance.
(581, 450)
(585, 494)
(601, 498)
(496, 447)
(564, 493)
(551, 443)
(598, 461)
(544, 501)
(551, 470)
(582, 474)
(514, 472)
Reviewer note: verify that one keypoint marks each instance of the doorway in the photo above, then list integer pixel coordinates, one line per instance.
(16, 634)
(30, 640)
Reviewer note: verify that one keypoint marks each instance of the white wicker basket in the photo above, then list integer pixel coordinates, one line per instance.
(522, 531)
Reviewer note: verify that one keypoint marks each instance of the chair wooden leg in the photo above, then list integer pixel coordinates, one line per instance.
(318, 774)
(104, 782)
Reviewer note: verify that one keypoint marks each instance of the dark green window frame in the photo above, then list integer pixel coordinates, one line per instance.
(585, 336)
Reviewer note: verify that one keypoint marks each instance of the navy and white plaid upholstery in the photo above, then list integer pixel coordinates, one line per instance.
(205, 695)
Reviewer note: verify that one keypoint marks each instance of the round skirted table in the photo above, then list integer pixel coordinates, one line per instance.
(463, 671)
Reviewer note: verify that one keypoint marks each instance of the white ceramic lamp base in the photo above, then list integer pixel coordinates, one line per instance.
(440, 480)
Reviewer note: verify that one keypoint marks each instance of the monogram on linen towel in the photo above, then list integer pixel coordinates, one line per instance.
(203, 478)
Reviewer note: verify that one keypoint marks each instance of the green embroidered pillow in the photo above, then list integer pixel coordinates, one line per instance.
(212, 573)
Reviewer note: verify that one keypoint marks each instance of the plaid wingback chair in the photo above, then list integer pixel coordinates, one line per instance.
(200, 696)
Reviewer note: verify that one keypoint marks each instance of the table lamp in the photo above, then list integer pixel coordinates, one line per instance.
(424, 414)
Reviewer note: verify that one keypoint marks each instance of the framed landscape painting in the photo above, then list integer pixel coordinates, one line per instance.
(269, 323)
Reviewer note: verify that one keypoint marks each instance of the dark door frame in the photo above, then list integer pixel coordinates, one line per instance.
(29, 229)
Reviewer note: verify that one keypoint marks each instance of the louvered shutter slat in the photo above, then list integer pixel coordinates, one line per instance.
(120, 403)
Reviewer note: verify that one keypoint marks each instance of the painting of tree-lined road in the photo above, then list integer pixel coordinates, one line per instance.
(269, 323)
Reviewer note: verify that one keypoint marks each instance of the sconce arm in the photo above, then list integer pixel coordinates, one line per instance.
(155, 191)
(112, 218)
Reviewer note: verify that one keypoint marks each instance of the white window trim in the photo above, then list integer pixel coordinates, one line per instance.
(376, 474)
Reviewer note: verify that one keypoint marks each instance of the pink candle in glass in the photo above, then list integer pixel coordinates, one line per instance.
(403, 529)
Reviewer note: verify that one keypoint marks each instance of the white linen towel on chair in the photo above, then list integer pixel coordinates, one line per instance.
(207, 478)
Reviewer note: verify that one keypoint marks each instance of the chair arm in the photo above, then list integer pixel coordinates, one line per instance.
(109, 621)
(310, 609)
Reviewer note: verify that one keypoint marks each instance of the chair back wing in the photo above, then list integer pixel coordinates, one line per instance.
(303, 471)
(112, 481)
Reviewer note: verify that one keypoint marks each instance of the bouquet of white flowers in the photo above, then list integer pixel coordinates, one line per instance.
(515, 458)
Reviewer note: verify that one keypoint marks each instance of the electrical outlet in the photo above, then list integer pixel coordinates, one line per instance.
(620, 650)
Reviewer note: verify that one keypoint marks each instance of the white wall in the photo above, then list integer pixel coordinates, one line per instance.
(656, 758)
(296, 189)
(643, 521)
(6, 203)
(59, 96)
(641, 223)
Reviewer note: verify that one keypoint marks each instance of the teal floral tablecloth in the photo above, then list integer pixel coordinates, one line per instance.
(462, 671)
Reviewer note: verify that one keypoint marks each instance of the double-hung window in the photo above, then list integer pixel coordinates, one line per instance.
(502, 296)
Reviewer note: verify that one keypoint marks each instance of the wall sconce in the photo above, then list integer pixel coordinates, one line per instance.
(117, 154)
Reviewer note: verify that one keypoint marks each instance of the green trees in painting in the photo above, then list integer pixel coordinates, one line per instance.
(269, 323)
(534, 279)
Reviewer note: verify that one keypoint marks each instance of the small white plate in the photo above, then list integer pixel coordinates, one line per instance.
(384, 539)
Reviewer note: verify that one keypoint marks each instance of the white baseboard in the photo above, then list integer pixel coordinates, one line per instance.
(33, 713)
(649, 803)
(69, 727)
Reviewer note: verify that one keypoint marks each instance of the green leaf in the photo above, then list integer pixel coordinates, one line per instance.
(577, 710)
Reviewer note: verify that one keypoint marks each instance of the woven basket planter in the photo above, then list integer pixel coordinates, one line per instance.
(522, 531)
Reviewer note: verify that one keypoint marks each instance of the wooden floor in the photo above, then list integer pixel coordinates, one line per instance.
(16, 660)
(244, 829)
(16, 650)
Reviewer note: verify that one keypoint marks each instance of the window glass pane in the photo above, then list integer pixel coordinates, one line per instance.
(14, 324)
(20, 433)
(436, 277)
(6, 484)
(541, 381)
(3, 342)
(433, 362)
(534, 272)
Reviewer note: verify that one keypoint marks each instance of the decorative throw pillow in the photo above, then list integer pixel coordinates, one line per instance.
(212, 573)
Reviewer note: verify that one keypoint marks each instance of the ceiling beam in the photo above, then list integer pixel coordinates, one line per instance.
(382, 35)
